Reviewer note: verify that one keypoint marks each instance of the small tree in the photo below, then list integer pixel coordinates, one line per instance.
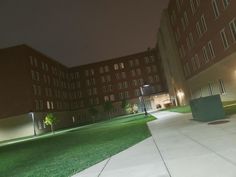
(94, 112)
(50, 119)
(129, 108)
(107, 107)
(135, 108)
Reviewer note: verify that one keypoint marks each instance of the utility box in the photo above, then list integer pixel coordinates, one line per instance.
(207, 108)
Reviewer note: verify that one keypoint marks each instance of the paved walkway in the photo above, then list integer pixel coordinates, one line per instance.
(179, 147)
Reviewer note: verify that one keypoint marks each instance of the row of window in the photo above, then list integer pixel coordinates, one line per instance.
(40, 105)
(215, 6)
(51, 105)
(212, 88)
(194, 4)
(208, 49)
(223, 35)
(208, 53)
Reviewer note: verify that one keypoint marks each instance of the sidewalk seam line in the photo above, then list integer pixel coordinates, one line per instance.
(168, 171)
(211, 150)
(104, 166)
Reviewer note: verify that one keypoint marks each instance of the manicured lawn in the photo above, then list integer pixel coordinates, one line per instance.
(180, 109)
(66, 153)
(229, 108)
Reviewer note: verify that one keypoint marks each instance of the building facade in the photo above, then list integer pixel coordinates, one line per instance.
(34, 85)
(205, 38)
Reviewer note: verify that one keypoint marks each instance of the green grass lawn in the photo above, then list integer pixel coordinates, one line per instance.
(64, 154)
(229, 108)
(180, 109)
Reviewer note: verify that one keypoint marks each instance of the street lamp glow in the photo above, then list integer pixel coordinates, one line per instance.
(33, 121)
(180, 93)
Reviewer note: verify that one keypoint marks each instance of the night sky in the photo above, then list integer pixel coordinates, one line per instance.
(76, 32)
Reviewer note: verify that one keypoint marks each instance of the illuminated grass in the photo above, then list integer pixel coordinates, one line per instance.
(69, 152)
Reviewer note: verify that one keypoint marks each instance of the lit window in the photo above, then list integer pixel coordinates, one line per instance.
(211, 49)
(116, 66)
(210, 89)
(106, 98)
(122, 66)
(48, 105)
(197, 61)
(224, 38)
(225, 3)
(205, 55)
(199, 31)
(52, 106)
(112, 97)
(221, 86)
(192, 6)
(215, 8)
(232, 25)
(203, 21)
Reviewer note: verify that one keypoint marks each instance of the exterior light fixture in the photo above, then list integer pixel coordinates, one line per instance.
(180, 94)
(33, 121)
(142, 99)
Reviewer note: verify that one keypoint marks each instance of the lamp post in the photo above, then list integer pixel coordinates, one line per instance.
(142, 99)
(33, 121)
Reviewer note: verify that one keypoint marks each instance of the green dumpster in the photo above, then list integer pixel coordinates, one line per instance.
(207, 108)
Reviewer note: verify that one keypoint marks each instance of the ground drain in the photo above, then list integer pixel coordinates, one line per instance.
(218, 122)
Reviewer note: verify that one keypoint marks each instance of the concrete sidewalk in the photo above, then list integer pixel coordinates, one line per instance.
(179, 147)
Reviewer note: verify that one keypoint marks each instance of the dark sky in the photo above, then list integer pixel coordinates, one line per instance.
(76, 32)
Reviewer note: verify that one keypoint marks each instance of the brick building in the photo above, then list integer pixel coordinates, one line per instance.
(204, 39)
(34, 84)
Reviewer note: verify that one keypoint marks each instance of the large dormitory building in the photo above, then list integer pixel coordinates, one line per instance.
(197, 44)
(33, 85)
